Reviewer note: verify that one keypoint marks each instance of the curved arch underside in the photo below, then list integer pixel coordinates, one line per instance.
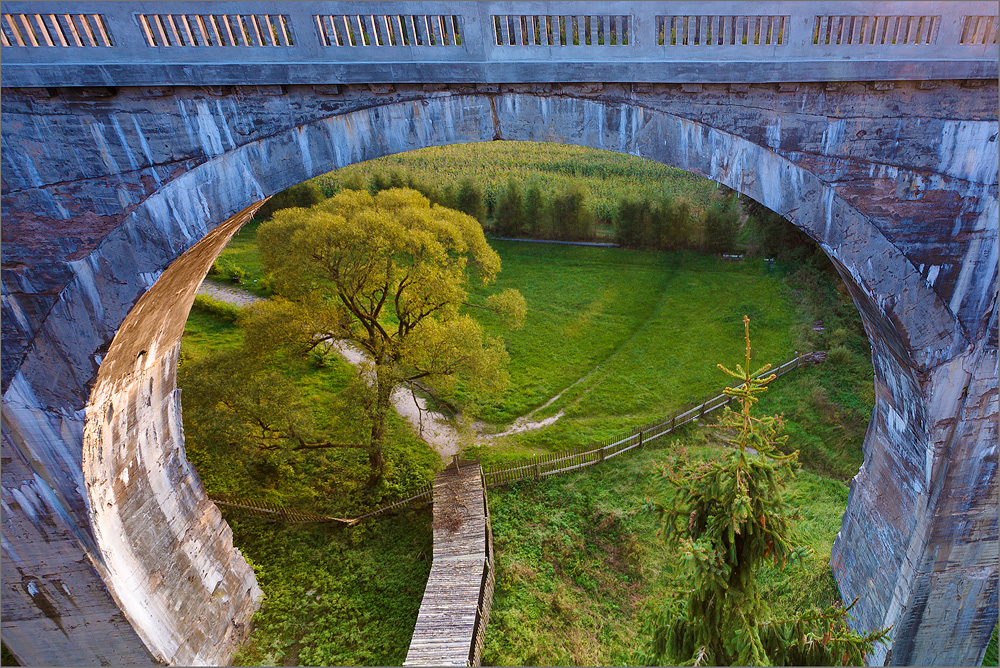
(930, 452)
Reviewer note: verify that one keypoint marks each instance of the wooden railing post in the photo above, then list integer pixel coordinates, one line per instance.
(639, 431)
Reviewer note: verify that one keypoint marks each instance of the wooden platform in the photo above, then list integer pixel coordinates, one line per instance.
(446, 624)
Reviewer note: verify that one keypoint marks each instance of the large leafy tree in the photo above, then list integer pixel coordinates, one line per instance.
(387, 274)
(728, 516)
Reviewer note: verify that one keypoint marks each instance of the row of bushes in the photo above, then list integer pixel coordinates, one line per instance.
(731, 223)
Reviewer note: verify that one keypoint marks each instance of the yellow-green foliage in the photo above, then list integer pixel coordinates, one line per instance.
(388, 273)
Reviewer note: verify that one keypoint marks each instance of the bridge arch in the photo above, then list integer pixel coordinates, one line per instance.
(136, 288)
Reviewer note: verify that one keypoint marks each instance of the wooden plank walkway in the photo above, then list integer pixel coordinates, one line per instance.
(452, 612)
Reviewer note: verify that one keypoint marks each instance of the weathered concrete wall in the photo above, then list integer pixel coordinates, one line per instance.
(898, 185)
(145, 549)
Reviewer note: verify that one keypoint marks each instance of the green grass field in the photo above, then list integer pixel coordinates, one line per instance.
(622, 337)
(611, 330)
(581, 570)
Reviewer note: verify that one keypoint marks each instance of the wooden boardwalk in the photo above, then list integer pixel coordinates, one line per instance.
(459, 592)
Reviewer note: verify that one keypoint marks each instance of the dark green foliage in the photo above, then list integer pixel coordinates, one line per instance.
(646, 222)
(721, 226)
(535, 220)
(509, 216)
(676, 224)
(571, 220)
(396, 178)
(990, 657)
(729, 517)
(770, 235)
(469, 199)
(634, 225)
(304, 195)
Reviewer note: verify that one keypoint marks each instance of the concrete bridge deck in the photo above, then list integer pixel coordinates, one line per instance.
(251, 43)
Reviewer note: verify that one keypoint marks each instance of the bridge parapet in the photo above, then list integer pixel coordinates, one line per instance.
(98, 43)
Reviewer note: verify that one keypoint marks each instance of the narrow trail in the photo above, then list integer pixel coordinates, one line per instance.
(432, 426)
(598, 369)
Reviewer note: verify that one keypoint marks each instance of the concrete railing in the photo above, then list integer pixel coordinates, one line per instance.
(88, 43)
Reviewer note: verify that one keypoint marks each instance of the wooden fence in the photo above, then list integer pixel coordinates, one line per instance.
(485, 604)
(534, 467)
(293, 516)
(560, 462)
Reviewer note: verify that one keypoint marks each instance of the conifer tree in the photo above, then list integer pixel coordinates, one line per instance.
(509, 220)
(727, 517)
(469, 199)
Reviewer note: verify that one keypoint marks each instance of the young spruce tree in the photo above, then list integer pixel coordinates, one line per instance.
(727, 516)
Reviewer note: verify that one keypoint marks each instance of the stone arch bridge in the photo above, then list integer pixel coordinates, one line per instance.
(137, 138)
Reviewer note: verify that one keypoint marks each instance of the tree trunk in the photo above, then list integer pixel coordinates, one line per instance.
(383, 404)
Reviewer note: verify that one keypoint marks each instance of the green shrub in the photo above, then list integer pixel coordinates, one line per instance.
(675, 223)
(721, 226)
(571, 219)
(218, 308)
(509, 220)
(634, 225)
(839, 355)
(534, 211)
(236, 273)
(304, 195)
(469, 199)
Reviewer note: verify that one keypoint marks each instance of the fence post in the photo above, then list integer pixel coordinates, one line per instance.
(639, 431)
(701, 411)
(454, 459)
(602, 452)
(538, 471)
(672, 420)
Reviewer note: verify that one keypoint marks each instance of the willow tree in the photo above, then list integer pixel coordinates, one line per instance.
(727, 517)
(389, 275)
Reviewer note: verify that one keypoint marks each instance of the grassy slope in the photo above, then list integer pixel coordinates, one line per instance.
(620, 325)
(336, 596)
(581, 569)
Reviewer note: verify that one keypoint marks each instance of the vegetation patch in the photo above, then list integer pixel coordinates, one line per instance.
(335, 596)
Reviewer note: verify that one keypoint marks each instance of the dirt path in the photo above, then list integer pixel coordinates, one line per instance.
(433, 427)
